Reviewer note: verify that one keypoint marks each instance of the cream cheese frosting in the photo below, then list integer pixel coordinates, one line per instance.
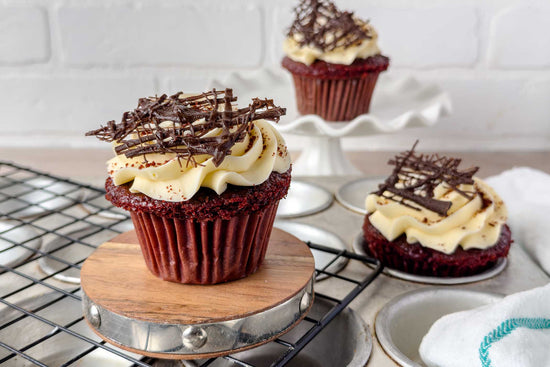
(164, 177)
(339, 55)
(470, 223)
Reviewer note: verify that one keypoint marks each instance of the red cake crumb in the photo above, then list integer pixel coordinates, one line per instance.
(205, 204)
(417, 259)
(323, 70)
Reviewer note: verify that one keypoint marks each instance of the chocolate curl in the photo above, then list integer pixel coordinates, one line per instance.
(416, 176)
(320, 24)
(173, 125)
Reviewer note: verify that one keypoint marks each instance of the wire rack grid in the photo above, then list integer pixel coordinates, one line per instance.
(51, 224)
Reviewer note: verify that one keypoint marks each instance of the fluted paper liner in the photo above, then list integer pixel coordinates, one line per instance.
(335, 99)
(204, 252)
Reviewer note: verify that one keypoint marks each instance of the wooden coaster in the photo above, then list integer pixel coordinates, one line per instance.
(128, 306)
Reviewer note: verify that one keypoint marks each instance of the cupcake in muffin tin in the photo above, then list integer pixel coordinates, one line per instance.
(334, 59)
(202, 180)
(431, 218)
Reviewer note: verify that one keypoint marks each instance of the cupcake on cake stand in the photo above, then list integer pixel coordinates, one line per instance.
(398, 103)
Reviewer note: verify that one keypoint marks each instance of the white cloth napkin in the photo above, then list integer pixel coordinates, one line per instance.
(526, 192)
(514, 332)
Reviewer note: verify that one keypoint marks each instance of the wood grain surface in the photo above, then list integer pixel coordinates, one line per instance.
(116, 278)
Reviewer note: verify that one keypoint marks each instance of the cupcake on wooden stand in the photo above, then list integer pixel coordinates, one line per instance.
(202, 180)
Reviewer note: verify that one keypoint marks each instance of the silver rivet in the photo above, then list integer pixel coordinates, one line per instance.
(304, 302)
(194, 337)
(94, 318)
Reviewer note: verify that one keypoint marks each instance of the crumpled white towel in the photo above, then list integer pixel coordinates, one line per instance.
(526, 192)
(514, 332)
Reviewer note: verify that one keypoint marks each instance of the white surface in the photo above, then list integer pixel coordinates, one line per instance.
(402, 323)
(68, 66)
(460, 339)
(527, 196)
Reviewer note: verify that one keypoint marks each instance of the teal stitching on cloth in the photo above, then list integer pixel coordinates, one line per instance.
(504, 329)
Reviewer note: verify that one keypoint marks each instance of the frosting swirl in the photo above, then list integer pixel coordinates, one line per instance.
(344, 55)
(470, 223)
(164, 177)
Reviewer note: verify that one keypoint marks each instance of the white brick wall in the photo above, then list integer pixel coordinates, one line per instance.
(24, 35)
(161, 36)
(68, 65)
(527, 46)
(68, 103)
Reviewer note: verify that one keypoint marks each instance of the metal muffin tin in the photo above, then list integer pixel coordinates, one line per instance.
(352, 194)
(98, 206)
(39, 196)
(64, 250)
(303, 199)
(55, 346)
(306, 232)
(17, 242)
(402, 323)
(499, 266)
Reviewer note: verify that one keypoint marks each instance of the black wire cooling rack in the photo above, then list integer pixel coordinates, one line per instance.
(48, 226)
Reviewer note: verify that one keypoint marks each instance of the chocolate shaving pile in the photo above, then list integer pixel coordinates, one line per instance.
(415, 177)
(145, 130)
(320, 24)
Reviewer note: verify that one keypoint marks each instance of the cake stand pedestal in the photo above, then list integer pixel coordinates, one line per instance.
(323, 156)
(129, 307)
(397, 103)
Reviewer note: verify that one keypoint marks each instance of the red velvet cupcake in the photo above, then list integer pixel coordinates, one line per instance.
(334, 60)
(430, 218)
(416, 259)
(202, 183)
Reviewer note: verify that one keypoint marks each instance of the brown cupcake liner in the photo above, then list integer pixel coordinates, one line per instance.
(204, 252)
(335, 99)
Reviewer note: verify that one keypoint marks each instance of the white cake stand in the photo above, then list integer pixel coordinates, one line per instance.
(397, 103)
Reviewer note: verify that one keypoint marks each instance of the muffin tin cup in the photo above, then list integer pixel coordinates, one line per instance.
(204, 252)
(402, 323)
(335, 99)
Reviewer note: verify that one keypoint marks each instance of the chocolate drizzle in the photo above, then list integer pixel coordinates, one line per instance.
(320, 24)
(179, 125)
(415, 177)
